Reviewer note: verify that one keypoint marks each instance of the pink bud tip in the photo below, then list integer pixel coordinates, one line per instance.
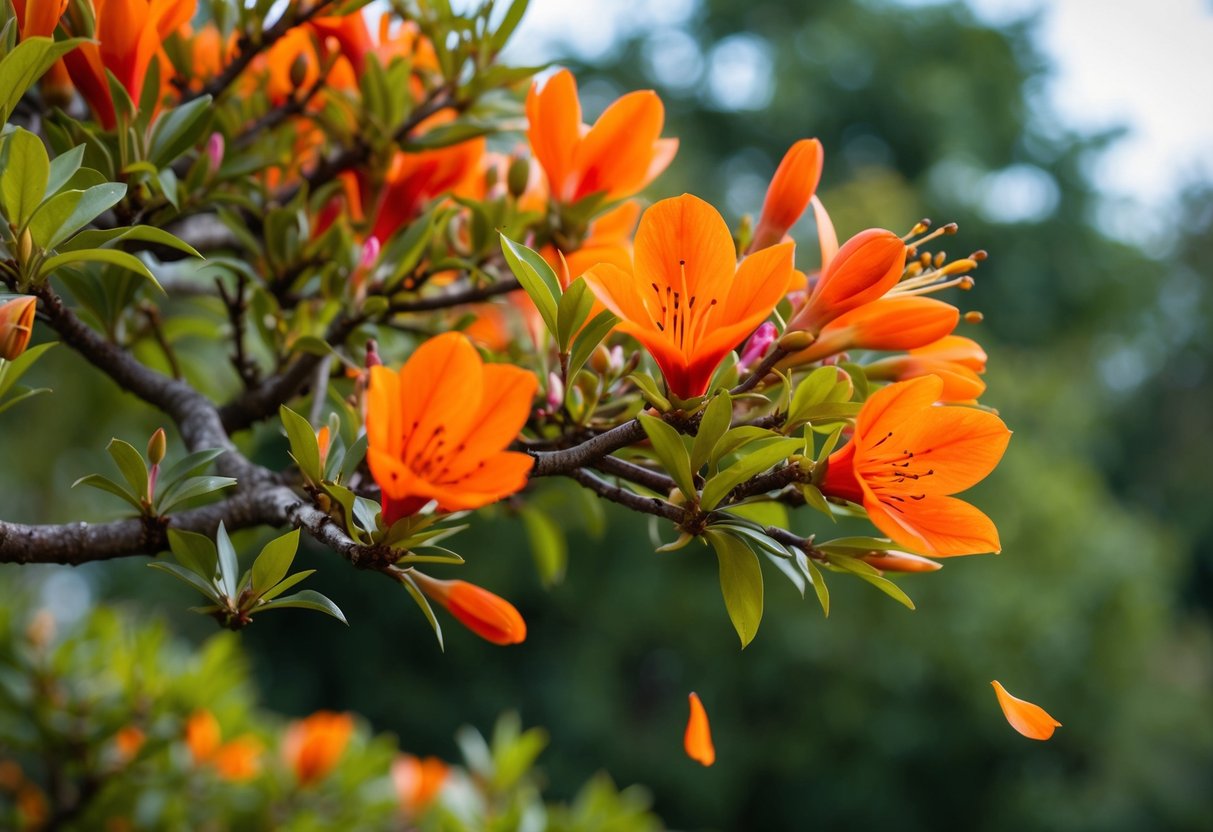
(758, 344)
(372, 354)
(555, 391)
(370, 252)
(214, 150)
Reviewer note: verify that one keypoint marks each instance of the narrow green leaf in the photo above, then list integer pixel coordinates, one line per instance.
(536, 277)
(589, 339)
(274, 562)
(28, 61)
(548, 545)
(13, 370)
(99, 255)
(91, 204)
(229, 564)
(740, 583)
(106, 238)
(106, 484)
(196, 552)
(734, 440)
(571, 312)
(667, 443)
(178, 129)
(62, 168)
(717, 417)
(648, 389)
(23, 180)
(189, 466)
(285, 584)
(130, 463)
(306, 599)
(424, 603)
(819, 584)
(305, 449)
(186, 576)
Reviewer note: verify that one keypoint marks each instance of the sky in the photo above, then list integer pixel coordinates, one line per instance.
(1143, 64)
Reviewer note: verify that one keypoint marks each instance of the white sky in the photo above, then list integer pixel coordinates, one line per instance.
(1145, 64)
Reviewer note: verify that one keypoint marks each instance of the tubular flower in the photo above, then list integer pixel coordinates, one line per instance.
(129, 35)
(685, 298)
(38, 18)
(907, 456)
(239, 759)
(16, 325)
(438, 429)
(313, 746)
(697, 741)
(621, 154)
(487, 615)
(202, 735)
(418, 781)
(955, 359)
(864, 269)
(791, 188)
(895, 323)
(1028, 719)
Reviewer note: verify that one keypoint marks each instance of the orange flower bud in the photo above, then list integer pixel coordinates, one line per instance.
(313, 746)
(487, 615)
(239, 759)
(16, 325)
(1028, 719)
(892, 561)
(202, 735)
(792, 187)
(863, 270)
(418, 781)
(698, 737)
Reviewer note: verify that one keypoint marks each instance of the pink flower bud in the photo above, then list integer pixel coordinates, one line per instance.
(372, 354)
(370, 252)
(758, 345)
(214, 150)
(555, 392)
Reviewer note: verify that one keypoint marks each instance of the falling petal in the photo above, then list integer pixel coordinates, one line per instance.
(698, 738)
(1028, 719)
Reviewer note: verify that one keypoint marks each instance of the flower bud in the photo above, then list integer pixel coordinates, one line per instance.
(370, 252)
(202, 735)
(156, 447)
(518, 176)
(792, 341)
(758, 345)
(418, 781)
(792, 187)
(299, 69)
(312, 747)
(487, 615)
(25, 246)
(372, 354)
(555, 392)
(214, 150)
(16, 325)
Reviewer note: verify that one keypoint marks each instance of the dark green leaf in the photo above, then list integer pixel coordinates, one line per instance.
(24, 178)
(667, 443)
(717, 417)
(305, 449)
(179, 129)
(229, 565)
(106, 484)
(536, 277)
(185, 575)
(754, 462)
(131, 464)
(196, 552)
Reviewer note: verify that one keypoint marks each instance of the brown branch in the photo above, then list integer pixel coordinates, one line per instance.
(760, 372)
(448, 300)
(630, 499)
(775, 480)
(567, 460)
(650, 479)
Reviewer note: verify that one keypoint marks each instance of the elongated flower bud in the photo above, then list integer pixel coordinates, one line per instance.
(214, 150)
(156, 447)
(487, 615)
(758, 345)
(16, 326)
(791, 188)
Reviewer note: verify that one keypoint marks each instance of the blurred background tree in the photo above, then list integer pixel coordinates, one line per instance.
(1099, 607)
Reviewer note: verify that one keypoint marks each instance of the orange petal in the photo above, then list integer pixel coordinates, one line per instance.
(683, 243)
(865, 268)
(383, 426)
(698, 737)
(827, 237)
(961, 445)
(895, 404)
(792, 186)
(1028, 719)
(893, 561)
(955, 349)
(935, 525)
(504, 408)
(497, 476)
(554, 115)
(897, 323)
(441, 386)
(615, 155)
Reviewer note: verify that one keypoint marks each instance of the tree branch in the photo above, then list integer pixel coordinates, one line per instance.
(636, 502)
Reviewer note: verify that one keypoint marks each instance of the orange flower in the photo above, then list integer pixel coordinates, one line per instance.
(210, 54)
(685, 298)
(864, 269)
(239, 759)
(698, 737)
(313, 746)
(438, 429)
(892, 323)
(487, 615)
(16, 325)
(38, 18)
(128, 741)
(418, 781)
(129, 34)
(619, 155)
(202, 735)
(955, 359)
(791, 188)
(1028, 719)
(352, 36)
(907, 456)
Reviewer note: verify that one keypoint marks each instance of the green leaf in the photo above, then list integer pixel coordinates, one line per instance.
(667, 443)
(13, 370)
(99, 255)
(509, 22)
(196, 552)
(717, 417)
(190, 488)
(68, 212)
(536, 277)
(307, 599)
(870, 574)
(189, 466)
(571, 311)
(131, 464)
(23, 393)
(814, 499)
(734, 440)
(589, 339)
(814, 389)
(105, 238)
(229, 564)
(648, 389)
(819, 584)
(305, 448)
(178, 129)
(26, 64)
(275, 561)
(24, 178)
(106, 484)
(286, 583)
(424, 603)
(843, 545)
(440, 555)
(186, 576)
(548, 545)
(740, 583)
(755, 462)
(62, 168)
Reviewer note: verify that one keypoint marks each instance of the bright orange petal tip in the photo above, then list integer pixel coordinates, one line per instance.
(698, 738)
(792, 187)
(1033, 721)
(487, 615)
